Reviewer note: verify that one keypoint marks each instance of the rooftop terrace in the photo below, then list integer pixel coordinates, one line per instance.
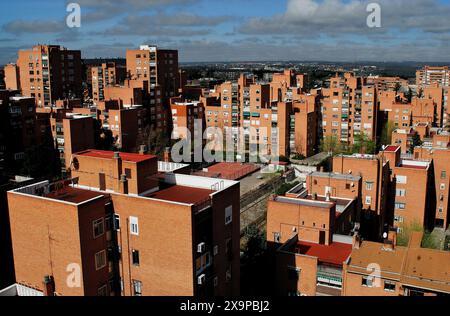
(335, 253)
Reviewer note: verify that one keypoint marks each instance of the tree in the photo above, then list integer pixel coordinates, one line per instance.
(386, 134)
(330, 144)
(397, 88)
(409, 95)
(416, 142)
(363, 144)
(253, 241)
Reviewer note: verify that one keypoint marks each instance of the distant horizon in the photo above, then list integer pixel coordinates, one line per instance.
(235, 30)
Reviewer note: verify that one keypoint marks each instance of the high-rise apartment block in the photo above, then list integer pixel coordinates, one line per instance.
(429, 75)
(48, 73)
(12, 80)
(160, 69)
(18, 129)
(108, 74)
(349, 109)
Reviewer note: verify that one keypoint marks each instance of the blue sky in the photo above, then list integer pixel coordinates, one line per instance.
(235, 30)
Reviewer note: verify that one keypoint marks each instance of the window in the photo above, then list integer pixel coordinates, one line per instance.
(99, 227)
(293, 273)
(400, 192)
(443, 174)
(402, 179)
(100, 260)
(228, 275)
(116, 222)
(103, 291)
(277, 237)
(442, 186)
(137, 288)
(228, 215)
(135, 257)
(203, 262)
(216, 250)
(128, 173)
(400, 206)
(347, 186)
(229, 249)
(369, 186)
(389, 286)
(367, 281)
(368, 200)
(134, 226)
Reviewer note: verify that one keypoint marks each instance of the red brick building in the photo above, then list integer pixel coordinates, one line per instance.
(132, 230)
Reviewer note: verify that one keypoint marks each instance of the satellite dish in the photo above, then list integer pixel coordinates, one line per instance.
(385, 235)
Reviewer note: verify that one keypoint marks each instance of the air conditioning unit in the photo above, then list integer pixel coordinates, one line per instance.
(202, 279)
(201, 248)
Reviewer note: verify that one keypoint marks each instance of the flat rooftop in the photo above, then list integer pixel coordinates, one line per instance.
(391, 148)
(335, 253)
(182, 194)
(415, 164)
(73, 195)
(338, 176)
(101, 154)
(228, 170)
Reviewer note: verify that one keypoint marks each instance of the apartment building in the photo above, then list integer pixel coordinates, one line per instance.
(387, 83)
(131, 93)
(72, 133)
(187, 117)
(48, 73)
(304, 125)
(374, 172)
(401, 115)
(439, 95)
(18, 130)
(403, 137)
(349, 109)
(11, 77)
(429, 75)
(307, 234)
(7, 183)
(108, 74)
(415, 205)
(424, 111)
(440, 157)
(129, 229)
(401, 271)
(125, 122)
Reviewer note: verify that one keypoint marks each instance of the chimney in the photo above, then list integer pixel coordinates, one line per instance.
(390, 240)
(314, 196)
(356, 241)
(49, 286)
(117, 170)
(143, 150)
(167, 155)
(123, 184)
